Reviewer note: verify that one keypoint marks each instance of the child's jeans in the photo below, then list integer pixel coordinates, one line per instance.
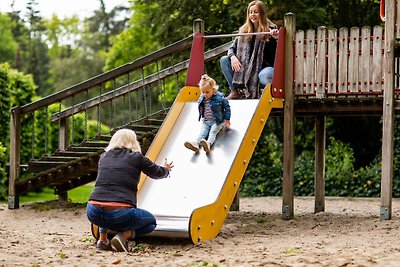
(210, 129)
(138, 220)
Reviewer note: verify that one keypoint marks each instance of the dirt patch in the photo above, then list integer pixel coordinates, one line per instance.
(349, 233)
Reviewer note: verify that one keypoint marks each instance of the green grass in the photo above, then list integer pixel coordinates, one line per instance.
(77, 195)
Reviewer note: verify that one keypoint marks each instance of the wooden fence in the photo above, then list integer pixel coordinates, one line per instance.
(331, 62)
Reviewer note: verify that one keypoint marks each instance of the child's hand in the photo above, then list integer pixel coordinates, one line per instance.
(227, 123)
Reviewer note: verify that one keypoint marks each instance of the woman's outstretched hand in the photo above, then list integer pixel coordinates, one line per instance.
(167, 165)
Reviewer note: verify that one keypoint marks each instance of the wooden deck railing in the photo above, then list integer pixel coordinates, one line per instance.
(339, 62)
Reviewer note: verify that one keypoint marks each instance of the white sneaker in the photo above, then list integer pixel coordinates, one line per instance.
(192, 146)
(206, 145)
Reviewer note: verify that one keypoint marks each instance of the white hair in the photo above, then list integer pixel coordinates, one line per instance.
(124, 138)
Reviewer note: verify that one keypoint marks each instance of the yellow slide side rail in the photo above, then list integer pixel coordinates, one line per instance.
(206, 222)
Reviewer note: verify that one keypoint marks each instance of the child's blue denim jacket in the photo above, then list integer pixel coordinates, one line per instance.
(219, 106)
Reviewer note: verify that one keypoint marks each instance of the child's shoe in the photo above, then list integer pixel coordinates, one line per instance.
(206, 145)
(192, 146)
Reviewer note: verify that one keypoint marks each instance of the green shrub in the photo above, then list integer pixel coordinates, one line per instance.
(3, 177)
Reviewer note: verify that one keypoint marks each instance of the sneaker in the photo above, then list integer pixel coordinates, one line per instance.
(101, 245)
(119, 243)
(192, 146)
(206, 145)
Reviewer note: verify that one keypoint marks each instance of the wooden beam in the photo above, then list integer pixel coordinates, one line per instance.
(388, 112)
(319, 189)
(288, 124)
(15, 145)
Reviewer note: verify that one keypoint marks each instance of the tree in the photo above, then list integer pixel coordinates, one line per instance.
(134, 42)
(103, 25)
(8, 46)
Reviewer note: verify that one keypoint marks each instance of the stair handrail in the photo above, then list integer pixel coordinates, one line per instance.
(107, 76)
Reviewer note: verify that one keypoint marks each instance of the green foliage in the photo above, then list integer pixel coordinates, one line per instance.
(78, 195)
(349, 13)
(22, 88)
(4, 103)
(264, 174)
(17, 89)
(78, 129)
(396, 158)
(263, 177)
(309, 14)
(8, 45)
(3, 177)
(101, 26)
(339, 168)
(304, 174)
(135, 41)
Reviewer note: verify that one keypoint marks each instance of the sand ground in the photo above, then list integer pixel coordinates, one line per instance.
(349, 233)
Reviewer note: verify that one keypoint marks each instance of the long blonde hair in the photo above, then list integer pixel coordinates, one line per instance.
(124, 138)
(263, 25)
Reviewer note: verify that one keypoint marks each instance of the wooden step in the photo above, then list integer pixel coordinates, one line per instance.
(103, 137)
(143, 128)
(156, 121)
(65, 153)
(39, 166)
(58, 158)
(85, 149)
(93, 144)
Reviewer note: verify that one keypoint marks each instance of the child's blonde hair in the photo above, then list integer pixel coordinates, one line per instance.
(124, 138)
(207, 80)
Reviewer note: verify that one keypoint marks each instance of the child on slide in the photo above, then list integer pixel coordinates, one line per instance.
(214, 110)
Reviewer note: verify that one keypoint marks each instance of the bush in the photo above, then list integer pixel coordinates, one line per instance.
(3, 177)
(263, 176)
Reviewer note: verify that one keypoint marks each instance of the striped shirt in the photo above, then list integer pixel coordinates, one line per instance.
(208, 115)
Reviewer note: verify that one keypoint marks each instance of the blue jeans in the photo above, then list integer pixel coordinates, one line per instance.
(210, 129)
(264, 76)
(139, 221)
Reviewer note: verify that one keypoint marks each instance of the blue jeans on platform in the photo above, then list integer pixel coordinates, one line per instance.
(210, 129)
(139, 221)
(264, 76)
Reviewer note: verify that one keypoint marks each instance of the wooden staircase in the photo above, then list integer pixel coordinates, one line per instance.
(77, 165)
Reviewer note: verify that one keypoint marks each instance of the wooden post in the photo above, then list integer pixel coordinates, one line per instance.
(63, 134)
(15, 145)
(62, 145)
(388, 113)
(235, 202)
(198, 26)
(63, 196)
(289, 118)
(319, 190)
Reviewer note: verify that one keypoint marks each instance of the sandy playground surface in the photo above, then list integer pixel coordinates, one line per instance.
(349, 233)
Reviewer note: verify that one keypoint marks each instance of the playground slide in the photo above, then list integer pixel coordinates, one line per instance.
(195, 200)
